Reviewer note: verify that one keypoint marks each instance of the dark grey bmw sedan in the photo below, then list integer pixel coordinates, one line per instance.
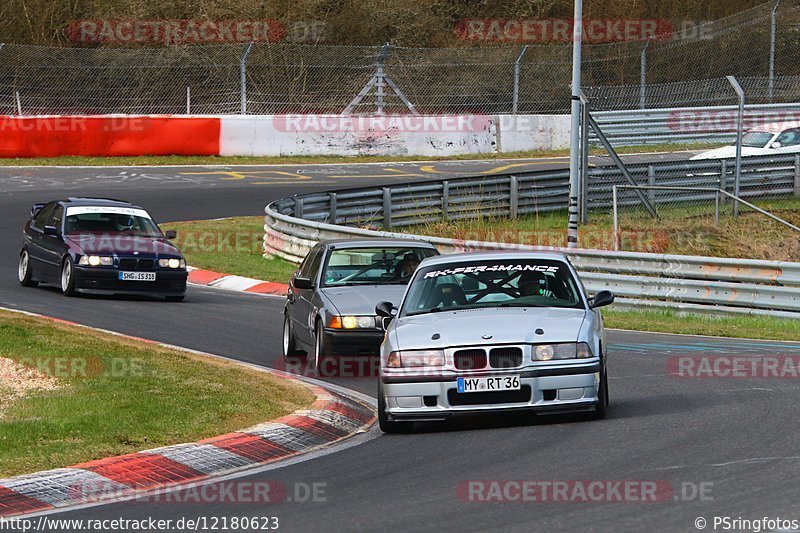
(330, 308)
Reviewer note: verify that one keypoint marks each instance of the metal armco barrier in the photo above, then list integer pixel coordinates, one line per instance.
(643, 280)
(686, 124)
(512, 195)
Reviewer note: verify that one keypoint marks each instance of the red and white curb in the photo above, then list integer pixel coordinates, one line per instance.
(331, 418)
(210, 278)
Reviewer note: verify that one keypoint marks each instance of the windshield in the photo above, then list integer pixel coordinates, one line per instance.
(756, 139)
(111, 222)
(497, 283)
(372, 266)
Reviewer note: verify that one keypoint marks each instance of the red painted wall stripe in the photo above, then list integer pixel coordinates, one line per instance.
(108, 135)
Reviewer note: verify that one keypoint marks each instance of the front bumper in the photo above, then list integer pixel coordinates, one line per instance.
(566, 389)
(353, 342)
(106, 281)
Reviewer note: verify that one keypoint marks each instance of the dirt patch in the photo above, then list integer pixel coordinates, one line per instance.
(16, 381)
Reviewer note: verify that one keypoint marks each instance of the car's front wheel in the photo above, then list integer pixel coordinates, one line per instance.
(68, 277)
(386, 425)
(24, 273)
(316, 359)
(289, 343)
(601, 408)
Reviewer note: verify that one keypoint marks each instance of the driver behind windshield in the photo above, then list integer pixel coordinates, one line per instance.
(407, 266)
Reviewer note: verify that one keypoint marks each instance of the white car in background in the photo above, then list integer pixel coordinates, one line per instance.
(767, 139)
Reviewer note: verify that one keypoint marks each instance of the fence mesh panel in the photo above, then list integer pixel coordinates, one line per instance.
(301, 78)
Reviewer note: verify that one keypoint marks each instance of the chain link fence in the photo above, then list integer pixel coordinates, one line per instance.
(294, 78)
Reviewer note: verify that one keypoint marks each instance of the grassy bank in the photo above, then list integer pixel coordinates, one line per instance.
(678, 230)
(298, 160)
(71, 394)
(744, 327)
(230, 245)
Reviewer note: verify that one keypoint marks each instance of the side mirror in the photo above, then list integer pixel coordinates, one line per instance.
(601, 299)
(385, 310)
(51, 230)
(170, 234)
(776, 144)
(302, 283)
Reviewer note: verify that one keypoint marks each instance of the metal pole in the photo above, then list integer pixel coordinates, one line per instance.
(188, 100)
(716, 209)
(616, 219)
(380, 78)
(643, 77)
(739, 134)
(243, 77)
(574, 148)
(19, 103)
(584, 197)
(515, 101)
(766, 213)
(620, 165)
(772, 44)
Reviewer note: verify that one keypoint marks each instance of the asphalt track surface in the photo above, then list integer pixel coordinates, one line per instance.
(735, 438)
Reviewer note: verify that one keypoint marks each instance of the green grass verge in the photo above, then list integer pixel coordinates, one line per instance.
(665, 321)
(297, 160)
(682, 230)
(117, 396)
(230, 246)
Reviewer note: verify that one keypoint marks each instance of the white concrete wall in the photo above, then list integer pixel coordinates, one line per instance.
(272, 135)
(532, 132)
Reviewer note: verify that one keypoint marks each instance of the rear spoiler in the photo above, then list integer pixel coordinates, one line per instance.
(35, 208)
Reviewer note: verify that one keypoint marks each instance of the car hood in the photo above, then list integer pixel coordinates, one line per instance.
(362, 299)
(92, 243)
(729, 152)
(468, 327)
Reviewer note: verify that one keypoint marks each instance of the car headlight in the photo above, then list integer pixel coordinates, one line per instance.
(96, 260)
(353, 322)
(172, 263)
(415, 358)
(549, 352)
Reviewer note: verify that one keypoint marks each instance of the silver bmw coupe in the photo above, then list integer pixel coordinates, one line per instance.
(492, 331)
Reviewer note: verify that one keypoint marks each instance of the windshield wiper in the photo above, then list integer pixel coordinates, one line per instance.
(426, 311)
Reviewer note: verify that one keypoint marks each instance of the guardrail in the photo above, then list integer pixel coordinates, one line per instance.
(686, 124)
(512, 195)
(686, 283)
